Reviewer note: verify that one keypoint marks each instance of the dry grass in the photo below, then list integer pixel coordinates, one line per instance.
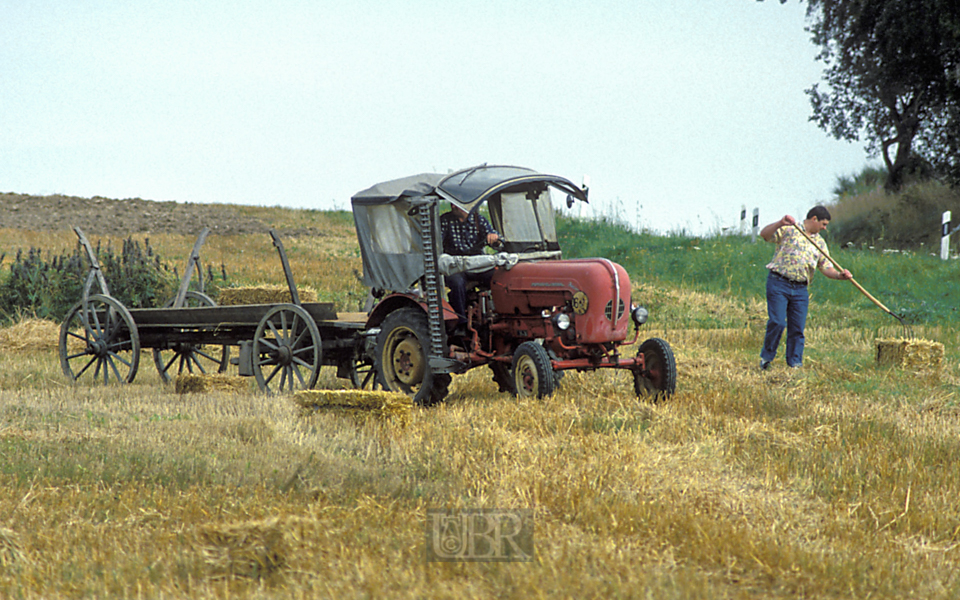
(837, 480)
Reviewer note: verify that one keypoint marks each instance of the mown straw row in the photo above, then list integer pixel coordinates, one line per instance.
(254, 549)
(189, 383)
(355, 402)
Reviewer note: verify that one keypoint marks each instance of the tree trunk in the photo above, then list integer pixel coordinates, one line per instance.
(907, 124)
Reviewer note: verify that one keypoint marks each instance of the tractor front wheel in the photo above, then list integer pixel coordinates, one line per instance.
(533, 375)
(658, 378)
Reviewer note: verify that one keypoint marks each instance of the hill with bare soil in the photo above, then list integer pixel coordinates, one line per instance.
(104, 216)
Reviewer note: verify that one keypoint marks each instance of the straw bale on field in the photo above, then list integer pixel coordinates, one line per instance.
(356, 403)
(910, 353)
(30, 335)
(188, 383)
(263, 294)
(254, 549)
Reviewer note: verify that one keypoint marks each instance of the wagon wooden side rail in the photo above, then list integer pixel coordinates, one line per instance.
(283, 346)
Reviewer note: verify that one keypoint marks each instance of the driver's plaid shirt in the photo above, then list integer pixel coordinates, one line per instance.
(461, 238)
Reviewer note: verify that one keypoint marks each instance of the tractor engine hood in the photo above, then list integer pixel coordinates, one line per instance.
(594, 291)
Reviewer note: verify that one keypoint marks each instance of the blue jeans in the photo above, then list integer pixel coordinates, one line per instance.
(787, 304)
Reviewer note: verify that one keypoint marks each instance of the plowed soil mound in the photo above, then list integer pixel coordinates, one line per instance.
(103, 216)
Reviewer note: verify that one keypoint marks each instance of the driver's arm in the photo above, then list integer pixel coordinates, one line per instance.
(491, 234)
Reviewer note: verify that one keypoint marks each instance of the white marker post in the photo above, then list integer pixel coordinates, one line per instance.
(743, 219)
(756, 225)
(945, 237)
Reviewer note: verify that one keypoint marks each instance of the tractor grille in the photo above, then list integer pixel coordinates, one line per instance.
(608, 311)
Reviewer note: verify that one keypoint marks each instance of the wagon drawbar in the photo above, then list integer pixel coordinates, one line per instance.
(283, 346)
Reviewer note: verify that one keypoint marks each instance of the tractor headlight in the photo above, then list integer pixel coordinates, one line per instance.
(562, 321)
(639, 315)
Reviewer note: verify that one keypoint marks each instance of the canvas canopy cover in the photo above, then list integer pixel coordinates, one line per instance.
(388, 222)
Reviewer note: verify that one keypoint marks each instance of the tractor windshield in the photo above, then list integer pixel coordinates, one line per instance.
(526, 220)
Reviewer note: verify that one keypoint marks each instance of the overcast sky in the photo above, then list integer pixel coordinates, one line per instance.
(679, 111)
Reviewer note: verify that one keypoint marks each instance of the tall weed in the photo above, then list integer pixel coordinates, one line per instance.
(48, 286)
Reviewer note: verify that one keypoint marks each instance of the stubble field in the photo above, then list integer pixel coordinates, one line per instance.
(836, 480)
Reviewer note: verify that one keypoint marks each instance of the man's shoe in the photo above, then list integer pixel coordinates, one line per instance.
(764, 365)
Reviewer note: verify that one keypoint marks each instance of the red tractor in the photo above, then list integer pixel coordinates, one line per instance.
(540, 315)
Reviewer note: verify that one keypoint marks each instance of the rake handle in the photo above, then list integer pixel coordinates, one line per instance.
(837, 266)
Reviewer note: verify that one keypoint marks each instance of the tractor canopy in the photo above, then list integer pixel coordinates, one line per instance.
(390, 223)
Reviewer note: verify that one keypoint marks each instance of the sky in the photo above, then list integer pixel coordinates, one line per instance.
(679, 112)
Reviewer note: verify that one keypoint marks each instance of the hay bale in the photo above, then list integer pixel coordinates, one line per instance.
(910, 353)
(263, 294)
(356, 403)
(30, 335)
(188, 383)
(254, 549)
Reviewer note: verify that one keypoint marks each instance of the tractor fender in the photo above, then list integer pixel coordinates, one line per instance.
(395, 301)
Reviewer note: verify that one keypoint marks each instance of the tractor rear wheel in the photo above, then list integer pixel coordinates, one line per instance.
(402, 361)
(658, 378)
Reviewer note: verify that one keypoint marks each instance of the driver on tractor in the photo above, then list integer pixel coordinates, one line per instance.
(465, 235)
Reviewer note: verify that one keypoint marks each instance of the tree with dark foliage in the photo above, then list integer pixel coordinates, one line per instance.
(893, 78)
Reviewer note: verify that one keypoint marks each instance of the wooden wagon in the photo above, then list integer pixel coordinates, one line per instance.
(282, 345)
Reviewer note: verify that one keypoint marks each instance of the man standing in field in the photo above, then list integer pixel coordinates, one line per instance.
(791, 269)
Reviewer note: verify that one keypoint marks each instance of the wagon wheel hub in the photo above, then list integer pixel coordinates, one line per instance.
(284, 355)
(97, 347)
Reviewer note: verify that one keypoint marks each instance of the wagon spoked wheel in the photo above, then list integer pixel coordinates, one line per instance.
(99, 339)
(533, 375)
(363, 372)
(658, 378)
(191, 358)
(287, 350)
